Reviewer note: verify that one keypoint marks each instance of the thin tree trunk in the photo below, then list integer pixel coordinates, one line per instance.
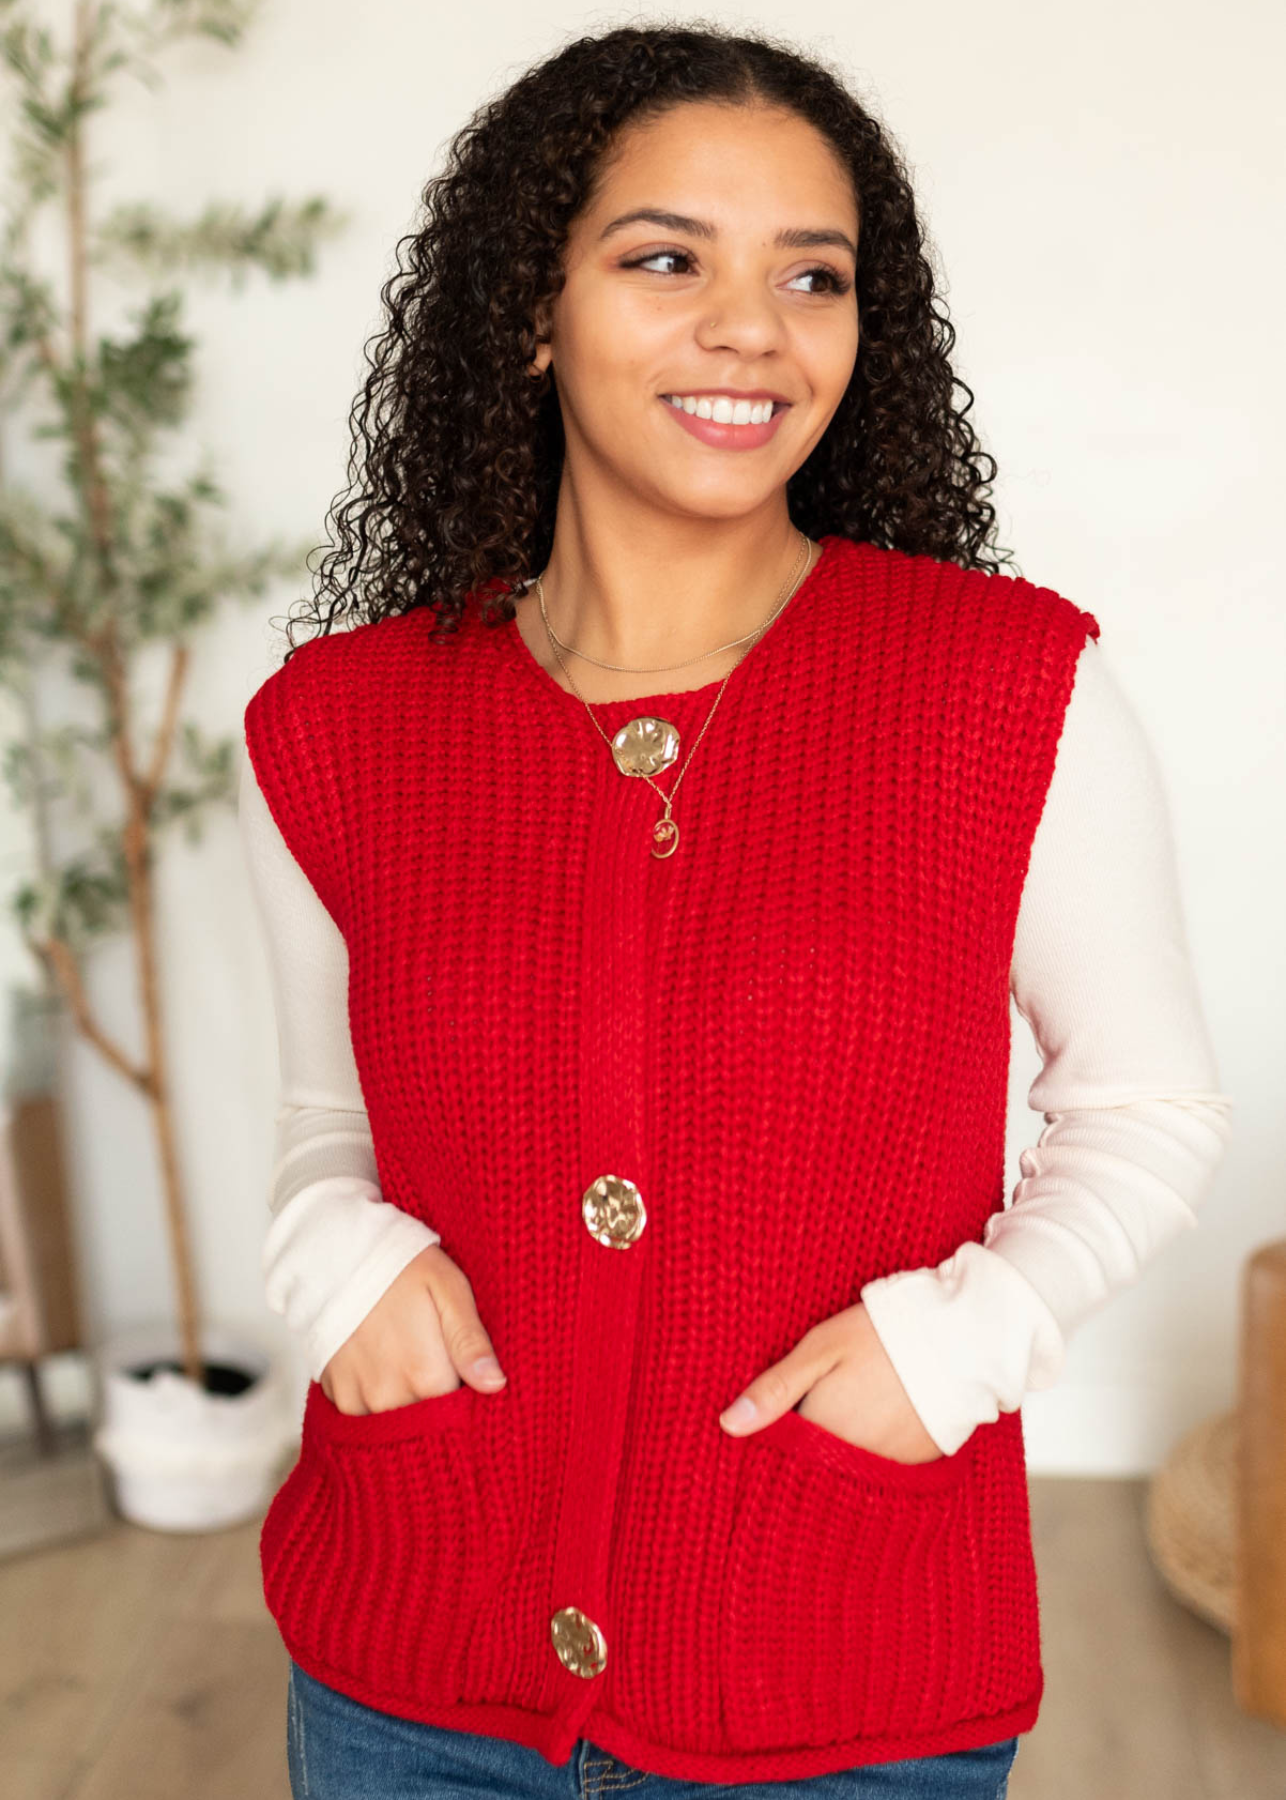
(139, 789)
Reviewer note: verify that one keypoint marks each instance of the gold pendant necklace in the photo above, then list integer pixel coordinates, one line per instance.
(647, 745)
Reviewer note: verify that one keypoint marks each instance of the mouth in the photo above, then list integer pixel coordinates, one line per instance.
(725, 433)
(722, 408)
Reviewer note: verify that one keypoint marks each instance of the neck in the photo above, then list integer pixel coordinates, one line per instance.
(621, 602)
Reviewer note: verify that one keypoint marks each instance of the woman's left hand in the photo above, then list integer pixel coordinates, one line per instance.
(844, 1380)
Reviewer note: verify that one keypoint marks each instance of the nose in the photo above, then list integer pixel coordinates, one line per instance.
(738, 316)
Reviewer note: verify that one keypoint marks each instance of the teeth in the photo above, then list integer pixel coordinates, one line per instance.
(722, 409)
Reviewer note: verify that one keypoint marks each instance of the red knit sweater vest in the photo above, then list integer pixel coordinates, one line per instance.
(792, 1038)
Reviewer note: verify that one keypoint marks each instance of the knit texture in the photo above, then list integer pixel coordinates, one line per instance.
(743, 1030)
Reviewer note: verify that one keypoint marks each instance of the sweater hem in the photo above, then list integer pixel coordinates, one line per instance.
(550, 1735)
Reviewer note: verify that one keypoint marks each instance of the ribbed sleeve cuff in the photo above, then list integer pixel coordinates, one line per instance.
(966, 1338)
(328, 1256)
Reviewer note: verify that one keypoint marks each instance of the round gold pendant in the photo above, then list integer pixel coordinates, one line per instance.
(645, 746)
(665, 832)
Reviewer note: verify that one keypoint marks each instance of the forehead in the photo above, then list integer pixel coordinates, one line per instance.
(728, 164)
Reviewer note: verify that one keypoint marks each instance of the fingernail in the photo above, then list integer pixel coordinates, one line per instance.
(487, 1369)
(741, 1412)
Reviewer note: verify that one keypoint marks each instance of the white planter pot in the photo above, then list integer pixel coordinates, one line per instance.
(181, 1458)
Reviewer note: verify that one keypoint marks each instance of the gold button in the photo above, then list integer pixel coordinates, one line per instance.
(613, 1211)
(580, 1644)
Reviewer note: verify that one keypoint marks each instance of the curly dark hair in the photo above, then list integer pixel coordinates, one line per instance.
(457, 451)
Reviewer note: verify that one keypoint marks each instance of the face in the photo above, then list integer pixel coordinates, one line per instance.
(703, 302)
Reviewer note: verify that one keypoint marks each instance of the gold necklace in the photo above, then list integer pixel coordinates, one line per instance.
(665, 669)
(646, 744)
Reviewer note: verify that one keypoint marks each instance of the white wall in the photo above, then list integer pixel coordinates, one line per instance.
(1103, 186)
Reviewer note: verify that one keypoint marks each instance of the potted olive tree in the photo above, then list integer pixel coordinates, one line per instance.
(106, 566)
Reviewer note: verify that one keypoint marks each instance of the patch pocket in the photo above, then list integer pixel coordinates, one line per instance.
(840, 1588)
(324, 1421)
(384, 1557)
(809, 1442)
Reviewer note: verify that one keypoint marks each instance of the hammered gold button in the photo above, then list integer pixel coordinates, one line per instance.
(581, 1646)
(613, 1211)
(645, 746)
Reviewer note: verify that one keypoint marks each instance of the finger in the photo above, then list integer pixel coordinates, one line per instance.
(771, 1393)
(470, 1349)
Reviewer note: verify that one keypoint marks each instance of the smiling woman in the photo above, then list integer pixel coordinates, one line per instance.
(652, 213)
(731, 306)
(649, 872)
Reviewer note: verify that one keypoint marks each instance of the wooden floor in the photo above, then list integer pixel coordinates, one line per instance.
(141, 1666)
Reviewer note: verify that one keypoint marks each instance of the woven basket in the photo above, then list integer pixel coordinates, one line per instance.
(1191, 1519)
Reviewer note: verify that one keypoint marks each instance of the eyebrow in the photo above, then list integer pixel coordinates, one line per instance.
(797, 237)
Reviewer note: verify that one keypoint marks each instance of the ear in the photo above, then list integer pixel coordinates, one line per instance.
(539, 366)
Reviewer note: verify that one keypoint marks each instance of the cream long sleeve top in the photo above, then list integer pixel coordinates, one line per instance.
(1134, 1121)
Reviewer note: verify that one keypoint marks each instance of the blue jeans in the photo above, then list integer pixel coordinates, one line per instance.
(339, 1749)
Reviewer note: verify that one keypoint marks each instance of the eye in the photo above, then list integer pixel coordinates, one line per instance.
(838, 284)
(640, 262)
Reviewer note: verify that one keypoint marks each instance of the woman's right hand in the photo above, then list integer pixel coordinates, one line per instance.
(422, 1337)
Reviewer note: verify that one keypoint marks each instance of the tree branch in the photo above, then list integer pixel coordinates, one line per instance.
(59, 955)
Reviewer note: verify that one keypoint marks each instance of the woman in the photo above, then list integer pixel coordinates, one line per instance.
(647, 875)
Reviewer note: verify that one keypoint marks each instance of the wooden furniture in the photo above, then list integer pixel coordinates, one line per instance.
(1259, 1624)
(40, 1310)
